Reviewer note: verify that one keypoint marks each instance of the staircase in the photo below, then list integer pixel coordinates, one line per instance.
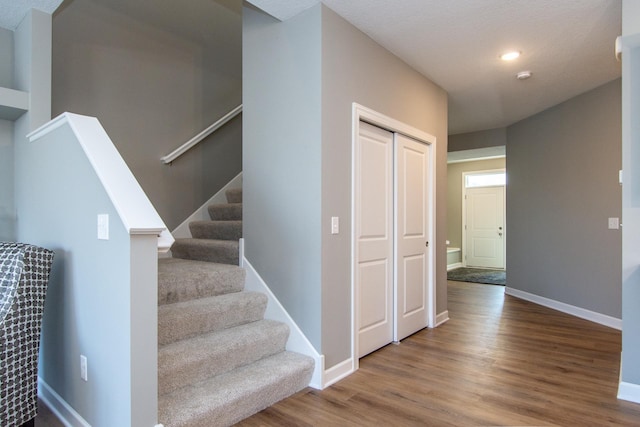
(219, 360)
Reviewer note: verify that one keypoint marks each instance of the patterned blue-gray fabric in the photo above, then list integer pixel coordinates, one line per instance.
(24, 273)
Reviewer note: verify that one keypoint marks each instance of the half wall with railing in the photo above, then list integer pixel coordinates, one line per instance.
(81, 200)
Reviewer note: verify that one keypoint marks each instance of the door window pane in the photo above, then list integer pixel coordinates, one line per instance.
(492, 179)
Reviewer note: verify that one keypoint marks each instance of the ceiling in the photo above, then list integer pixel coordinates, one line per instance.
(13, 11)
(566, 44)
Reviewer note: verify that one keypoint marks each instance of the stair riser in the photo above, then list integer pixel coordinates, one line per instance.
(186, 280)
(177, 369)
(232, 397)
(234, 195)
(216, 230)
(226, 253)
(185, 320)
(225, 212)
(219, 361)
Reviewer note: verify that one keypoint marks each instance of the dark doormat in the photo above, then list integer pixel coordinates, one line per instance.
(478, 275)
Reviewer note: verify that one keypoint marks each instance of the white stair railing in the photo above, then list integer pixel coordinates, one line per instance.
(202, 135)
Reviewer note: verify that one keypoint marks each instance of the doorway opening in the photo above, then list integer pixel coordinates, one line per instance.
(476, 174)
(483, 219)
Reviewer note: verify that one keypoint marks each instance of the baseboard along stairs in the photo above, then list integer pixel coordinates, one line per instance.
(219, 360)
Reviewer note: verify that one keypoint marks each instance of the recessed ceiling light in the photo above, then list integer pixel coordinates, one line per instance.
(510, 56)
(523, 75)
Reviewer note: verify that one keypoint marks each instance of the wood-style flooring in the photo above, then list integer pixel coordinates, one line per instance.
(45, 417)
(497, 361)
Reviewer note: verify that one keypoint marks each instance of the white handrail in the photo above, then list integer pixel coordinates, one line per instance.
(202, 135)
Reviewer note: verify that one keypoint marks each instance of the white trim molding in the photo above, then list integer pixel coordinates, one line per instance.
(202, 214)
(582, 313)
(442, 318)
(338, 372)
(361, 113)
(297, 341)
(629, 392)
(454, 266)
(65, 413)
(134, 208)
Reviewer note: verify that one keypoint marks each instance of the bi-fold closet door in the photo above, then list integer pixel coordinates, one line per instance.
(392, 237)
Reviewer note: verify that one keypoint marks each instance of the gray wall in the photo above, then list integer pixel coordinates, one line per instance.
(630, 17)
(454, 194)
(88, 298)
(480, 139)
(91, 307)
(301, 78)
(630, 369)
(563, 168)
(155, 74)
(282, 160)
(356, 69)
(7, 211)
(6, 53)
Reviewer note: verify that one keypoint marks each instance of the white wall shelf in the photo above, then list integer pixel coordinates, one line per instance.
(13, 103)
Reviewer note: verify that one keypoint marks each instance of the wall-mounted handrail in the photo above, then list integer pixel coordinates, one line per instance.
(202, 135)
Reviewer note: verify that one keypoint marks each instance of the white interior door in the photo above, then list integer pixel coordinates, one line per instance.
(374, 238)
(485, 228)
(411, 235)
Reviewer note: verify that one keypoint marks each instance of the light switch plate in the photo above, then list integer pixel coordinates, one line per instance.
(103, 227)
(614, 223)
(335, 225)
(83, 368)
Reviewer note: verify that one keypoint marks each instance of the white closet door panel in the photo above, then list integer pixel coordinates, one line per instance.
(374, 232)
(412, 225)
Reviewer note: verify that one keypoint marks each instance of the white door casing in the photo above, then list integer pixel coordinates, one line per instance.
(364, 114)
(411, 236)
(374, 234)
(484, 227)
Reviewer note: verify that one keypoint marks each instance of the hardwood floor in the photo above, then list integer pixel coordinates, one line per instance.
(45, 417)
(498, 361)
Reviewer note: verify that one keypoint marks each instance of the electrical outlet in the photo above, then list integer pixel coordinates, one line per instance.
(83, 367)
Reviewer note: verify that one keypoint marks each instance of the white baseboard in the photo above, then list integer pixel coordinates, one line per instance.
(297, 342)
(202, 214)
(441, 318)
(338, 372)
(454, 266)
(582, 313)
(629, 391)
(65, 413)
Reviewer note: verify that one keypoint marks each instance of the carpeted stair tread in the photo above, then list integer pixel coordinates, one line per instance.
(234, 195)
(189, 361)
(219, 360)
(187, 319)
(216, 230)
(225, 212)
(229, 398)
(183, 280)
(220, 251)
